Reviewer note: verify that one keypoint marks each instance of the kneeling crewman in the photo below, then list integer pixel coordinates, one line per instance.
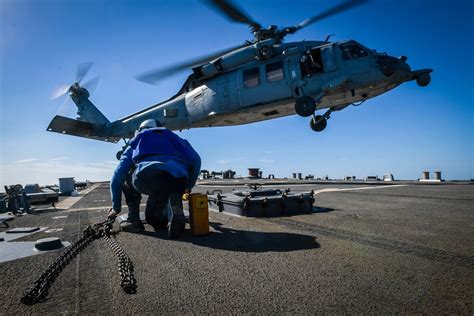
(164, 166)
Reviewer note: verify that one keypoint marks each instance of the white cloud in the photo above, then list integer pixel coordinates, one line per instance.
(26, 160)
(72, 168)
(266, 161)
(59, 159)
(111, 162)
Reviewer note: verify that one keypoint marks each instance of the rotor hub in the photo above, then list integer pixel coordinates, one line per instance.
(76, 90)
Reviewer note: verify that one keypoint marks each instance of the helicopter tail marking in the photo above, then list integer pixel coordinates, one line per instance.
(68, 126)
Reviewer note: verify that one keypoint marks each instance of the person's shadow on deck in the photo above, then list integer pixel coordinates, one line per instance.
(245, 241)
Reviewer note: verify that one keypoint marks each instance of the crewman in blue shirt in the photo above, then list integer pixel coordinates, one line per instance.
(161, 165)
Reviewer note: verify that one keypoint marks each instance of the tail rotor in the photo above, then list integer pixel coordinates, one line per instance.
(90, 86)
(75, 88)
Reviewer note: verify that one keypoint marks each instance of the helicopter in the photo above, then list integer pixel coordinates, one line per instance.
(265, 78)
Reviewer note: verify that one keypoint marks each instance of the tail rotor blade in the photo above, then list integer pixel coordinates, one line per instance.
(82, 70)
(91, 84)
(59, 91)
(65, 109)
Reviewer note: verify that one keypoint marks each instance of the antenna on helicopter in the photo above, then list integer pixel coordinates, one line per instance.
(328, 37)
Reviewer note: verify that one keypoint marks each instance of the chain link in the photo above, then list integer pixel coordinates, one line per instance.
(40, 288)
(125, 265)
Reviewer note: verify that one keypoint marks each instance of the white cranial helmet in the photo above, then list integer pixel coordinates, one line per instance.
(147, 124)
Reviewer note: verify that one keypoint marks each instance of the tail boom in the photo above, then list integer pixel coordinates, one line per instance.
(68, 126)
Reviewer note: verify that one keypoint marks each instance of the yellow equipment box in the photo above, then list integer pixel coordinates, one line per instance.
(198, 214)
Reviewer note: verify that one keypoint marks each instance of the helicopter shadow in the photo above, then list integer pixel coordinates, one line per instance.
(225, 238)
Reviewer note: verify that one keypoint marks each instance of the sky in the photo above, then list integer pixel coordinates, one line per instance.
(403, 132)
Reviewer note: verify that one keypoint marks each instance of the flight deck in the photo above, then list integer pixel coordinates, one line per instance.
(364, 248)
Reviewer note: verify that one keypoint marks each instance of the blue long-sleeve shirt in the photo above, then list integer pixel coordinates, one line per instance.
(172, 154)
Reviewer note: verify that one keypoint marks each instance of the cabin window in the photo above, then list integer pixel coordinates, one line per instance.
(274, 71)
(251, 77)
(352, 51)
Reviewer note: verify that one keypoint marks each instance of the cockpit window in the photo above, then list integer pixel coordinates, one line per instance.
(352, 51)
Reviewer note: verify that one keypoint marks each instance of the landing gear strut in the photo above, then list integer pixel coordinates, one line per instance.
(318, 122)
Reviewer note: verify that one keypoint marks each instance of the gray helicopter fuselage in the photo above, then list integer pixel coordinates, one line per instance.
(266, 89)
(260, 81)
(263, 79)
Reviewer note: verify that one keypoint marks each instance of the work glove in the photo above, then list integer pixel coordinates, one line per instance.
(112, 213)
(186, 193)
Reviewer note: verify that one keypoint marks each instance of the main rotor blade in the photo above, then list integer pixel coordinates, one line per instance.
(82, 70)
(59, 91)
(344, 6)
(234, 13)
(153, 76)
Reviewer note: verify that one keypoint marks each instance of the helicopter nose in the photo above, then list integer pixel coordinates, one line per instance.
(403, 63)
(389, 65)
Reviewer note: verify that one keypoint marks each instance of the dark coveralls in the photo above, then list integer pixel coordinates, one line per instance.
(133, 199)
(165, 165)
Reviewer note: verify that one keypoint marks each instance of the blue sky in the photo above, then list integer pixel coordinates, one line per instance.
(404, 132)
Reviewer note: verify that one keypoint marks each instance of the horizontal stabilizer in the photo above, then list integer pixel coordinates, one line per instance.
(68, 126)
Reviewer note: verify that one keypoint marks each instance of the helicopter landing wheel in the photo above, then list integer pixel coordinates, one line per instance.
(305, 106)
(318, 123)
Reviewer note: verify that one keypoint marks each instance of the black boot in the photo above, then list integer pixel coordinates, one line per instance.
(178, 221)
(132, 227)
